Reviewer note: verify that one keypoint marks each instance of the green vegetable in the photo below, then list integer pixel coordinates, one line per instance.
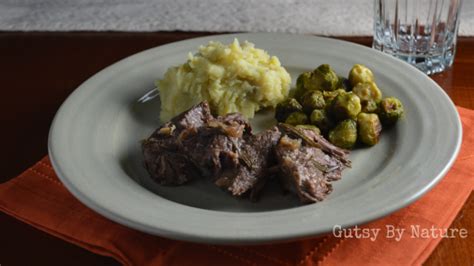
(346, 105)
(390, 110)
(320, 119)
(323, 78)
(367, 91)
(329, 96)
(346, 110)
(309, 127)
(359, 74)
(369, 107)
(313, 100)
(369, 128)
(284, 109)
(302, 83)
(344, 135)
(297, 118)
(344, 83)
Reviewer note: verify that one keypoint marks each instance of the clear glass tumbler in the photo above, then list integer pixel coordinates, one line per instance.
(420, 32)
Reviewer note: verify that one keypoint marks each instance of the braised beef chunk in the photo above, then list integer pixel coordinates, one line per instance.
(328, 147)
(199, 143)
(167, 166)
(195, 117)
(214, 146)
(306, 168)
(237, 119)
(223, 149)
(255, 155)
(163, 154)
(211, 150)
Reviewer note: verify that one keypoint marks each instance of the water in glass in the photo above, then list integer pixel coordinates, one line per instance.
(420, 32)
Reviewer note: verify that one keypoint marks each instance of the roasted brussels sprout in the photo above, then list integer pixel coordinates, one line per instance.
(360, 73)
(390, 110)
(313, 100)
(317, 116)
(345, 110)
(303, 79)
(369, 107)
(320, 119)
(368, 128)
(302, 83)
(309, 127)
(344, 84)
(346, 105)
(285, 108)
(329, 96)
(324, 78)
(367, 91)
(344, 135)
(297, 118)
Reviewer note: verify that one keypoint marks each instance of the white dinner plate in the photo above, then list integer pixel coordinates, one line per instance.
(94, 145)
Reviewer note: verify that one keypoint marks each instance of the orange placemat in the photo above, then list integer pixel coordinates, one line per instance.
(38, 198)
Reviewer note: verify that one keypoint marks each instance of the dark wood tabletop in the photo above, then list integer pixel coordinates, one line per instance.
(39, 70)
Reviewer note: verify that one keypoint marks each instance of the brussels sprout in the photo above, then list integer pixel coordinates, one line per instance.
(344, 84)
(360, 73)
(324, 78)
(367, 91)
(390, 110)
(302, 83)
(309, 127)
(297, 118)
(285, 108)
(344, 135)
(303, 79)
(369, 128)
(329, 96)
(346, 105)
(320, 119)
(313, 100)
(369, 107)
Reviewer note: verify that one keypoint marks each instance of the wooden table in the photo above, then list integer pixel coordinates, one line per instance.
(39, 70)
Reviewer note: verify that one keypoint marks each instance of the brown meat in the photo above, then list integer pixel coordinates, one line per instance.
(195, 117)
(307, 170)
(210, 150)
(163, 155)
(214, 146)
(165, 164)
(223, 149)
(256, 155)
(327, 147)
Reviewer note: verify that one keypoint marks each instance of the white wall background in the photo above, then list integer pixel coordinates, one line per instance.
(324, 17)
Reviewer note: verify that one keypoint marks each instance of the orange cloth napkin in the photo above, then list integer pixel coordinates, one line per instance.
(38, 198)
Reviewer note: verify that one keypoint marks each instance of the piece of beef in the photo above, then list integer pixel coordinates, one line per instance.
(210, 150)
(327, 147)
(166, 165)
(214, 146)
(237, 119)
(195, 117)
(255, 156)
(308, 164)
(164, 158)
(224, 150)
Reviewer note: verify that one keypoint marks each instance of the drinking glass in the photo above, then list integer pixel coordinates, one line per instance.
(420, 32)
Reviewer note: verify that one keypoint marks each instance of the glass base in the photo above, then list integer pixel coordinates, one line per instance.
(427, 63)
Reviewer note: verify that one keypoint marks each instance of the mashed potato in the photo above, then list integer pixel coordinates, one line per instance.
(232, 78)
